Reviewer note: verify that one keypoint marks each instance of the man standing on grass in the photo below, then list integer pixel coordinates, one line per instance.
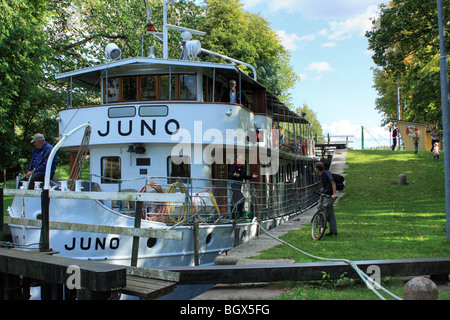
(329, 188)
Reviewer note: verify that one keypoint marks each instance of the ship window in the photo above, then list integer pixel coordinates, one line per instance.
(179, 169)
(165, 94)
(113, 90)
(148, 87)
(153, 111)
(111, 171)
(121, 112)
(129, 88)
(151, 88)
(188, 86)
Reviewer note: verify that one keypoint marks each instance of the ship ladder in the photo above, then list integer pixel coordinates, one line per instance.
(81, 157)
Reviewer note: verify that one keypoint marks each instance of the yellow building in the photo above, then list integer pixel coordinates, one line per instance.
(407, 131)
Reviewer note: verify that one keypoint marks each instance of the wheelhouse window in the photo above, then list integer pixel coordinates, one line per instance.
(129, 88)
(188, 87)
(179, 169)
(148, 87)
(151, 88)
(112, 90)
(111, 169)
(165, 92)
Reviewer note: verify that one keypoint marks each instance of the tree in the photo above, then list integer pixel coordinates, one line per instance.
(248, 37)
(311, 116)
(23, 93)
(406, 48)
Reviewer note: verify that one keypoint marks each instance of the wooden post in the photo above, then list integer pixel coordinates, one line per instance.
(45, 229)
(2, 233)
(137, 224)
(196, 247)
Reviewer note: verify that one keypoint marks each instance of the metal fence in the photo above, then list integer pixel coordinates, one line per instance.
(212, 200)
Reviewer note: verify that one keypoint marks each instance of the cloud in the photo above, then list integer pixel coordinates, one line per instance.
(329, 44)
(340, 30)
(320, 67)
(289, 41)
(317, 68)
(323, 9)
(337, 31)
(292, 41)
(348, 18)
(373, 136)
(341, 127)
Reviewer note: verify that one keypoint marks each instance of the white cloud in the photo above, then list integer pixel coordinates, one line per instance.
(289, 41)
(329, 44)
(373, 136)
(319, 67)
(337, 31)
(356, 25)
(323, 9)
(292, 41)
(348, 17)
(341, 127)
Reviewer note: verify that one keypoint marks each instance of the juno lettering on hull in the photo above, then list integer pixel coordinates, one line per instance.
(93, 243)
(126, 128)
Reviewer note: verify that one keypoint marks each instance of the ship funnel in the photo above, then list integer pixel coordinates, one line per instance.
(112, 52)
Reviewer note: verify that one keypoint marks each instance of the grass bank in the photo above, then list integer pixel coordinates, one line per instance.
(377, 218)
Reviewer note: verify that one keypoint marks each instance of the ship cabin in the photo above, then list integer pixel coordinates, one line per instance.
(167, 119)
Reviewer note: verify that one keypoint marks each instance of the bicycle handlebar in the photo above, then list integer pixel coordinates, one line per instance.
(323, 194)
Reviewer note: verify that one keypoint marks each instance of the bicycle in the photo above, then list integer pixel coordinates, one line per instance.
(319, 220)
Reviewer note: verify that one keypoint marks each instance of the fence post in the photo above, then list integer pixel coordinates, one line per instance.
(196, 244)
(45, 230)
(1, 216)
(137, 224)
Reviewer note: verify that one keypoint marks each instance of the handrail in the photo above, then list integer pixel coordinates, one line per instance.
(48, 168)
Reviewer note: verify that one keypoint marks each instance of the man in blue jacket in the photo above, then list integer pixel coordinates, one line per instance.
(329, 188)
(36, 171)
(237, 174)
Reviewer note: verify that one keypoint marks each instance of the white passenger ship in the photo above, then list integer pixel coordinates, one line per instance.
(161, 129)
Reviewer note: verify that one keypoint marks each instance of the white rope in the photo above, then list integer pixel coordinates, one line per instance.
(371, 283)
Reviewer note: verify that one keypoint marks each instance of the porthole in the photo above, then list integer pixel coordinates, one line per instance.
(244, 235)
(209, 239)
(151, 242)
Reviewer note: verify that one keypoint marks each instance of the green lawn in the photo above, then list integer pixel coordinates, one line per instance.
(377, 218)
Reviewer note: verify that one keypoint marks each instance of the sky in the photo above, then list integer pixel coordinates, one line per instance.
(330, 53)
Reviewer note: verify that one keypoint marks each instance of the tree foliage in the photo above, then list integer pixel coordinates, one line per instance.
(405, 41)
(311, 116)
(25, 102)
(248, 37)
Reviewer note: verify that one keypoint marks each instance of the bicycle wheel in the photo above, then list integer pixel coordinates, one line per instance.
(319, 224)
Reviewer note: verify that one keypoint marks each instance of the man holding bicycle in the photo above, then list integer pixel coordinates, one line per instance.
(329, 188)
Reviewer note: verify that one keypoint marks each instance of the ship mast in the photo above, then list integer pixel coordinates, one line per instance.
(165, 33)
(188, 33)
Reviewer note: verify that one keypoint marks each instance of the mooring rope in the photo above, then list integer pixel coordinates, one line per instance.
(371, 283)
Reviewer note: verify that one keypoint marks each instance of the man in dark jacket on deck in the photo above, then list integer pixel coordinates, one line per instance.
(38, 163)
(232, 95)
(237, 175)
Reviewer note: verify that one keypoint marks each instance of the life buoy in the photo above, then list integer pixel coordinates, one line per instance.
(411, 130)
(158, 211)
